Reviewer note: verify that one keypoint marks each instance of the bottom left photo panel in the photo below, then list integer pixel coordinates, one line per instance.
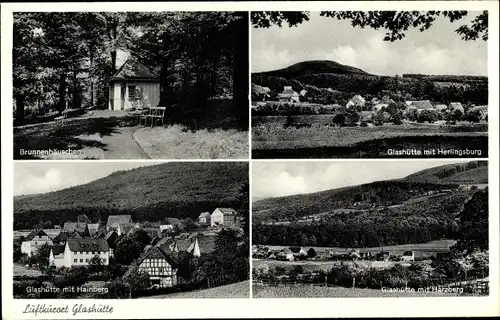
(118, 230)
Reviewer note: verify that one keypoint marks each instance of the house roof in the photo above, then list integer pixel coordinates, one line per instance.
(482, 109)
(57, 249)
(204, 215)
(87, 245)
(109, 234)
(286, 251)
(114, 220)
(35, 233)
(174, 221)
(422, 104)
(456, 106)
(158, 252)
(440, 107)
(260, 90)
(227, 211)
(288, 92)
(75, 226)
(132, 69)
(93, 227)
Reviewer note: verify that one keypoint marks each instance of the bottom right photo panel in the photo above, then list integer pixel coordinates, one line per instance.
(370, 229)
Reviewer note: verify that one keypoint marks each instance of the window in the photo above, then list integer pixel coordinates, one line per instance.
(86, 260)
(81, 260)
(132, 94)
(75, 260)
(103, 260)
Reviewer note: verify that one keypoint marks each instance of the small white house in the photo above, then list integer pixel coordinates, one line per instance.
(133, 86)
(224, 216)
(288, 95)
(79, 252)
(34, 241)
(204, 218)
(356, 101)
(408, 256)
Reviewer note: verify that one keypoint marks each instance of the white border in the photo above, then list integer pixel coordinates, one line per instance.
(202, 308)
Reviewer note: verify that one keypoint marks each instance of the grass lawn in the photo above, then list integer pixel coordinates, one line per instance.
(272, 135)
(235, 290)
(309, 291)
(176, 142)
(22, 271)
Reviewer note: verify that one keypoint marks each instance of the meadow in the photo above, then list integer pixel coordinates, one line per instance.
(234, 290)
(321, 291)
(319, 139)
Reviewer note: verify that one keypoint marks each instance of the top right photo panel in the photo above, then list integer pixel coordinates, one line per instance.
(369, 84)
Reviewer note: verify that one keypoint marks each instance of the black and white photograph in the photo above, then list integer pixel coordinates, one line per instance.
(130, 85)
(131, 230)
(370, 229)
(369, 84)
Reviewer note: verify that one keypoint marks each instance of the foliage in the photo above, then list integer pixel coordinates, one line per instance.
(117, 289)
(74, 277)
(473, 232)
(339, 119)
(311, 253)
(427, 116)
(127, 251)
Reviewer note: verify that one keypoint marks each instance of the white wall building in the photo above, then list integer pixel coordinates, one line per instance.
(34, 241)
(79, 252)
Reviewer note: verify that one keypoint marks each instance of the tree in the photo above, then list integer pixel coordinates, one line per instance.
(473, 225)
(74, 277)
(95, 264)
(395, 22)
(141, 237)
(352, 118)
(427, 116)
(117, 290)
(189, 224)
(474, 116)
(339, 119)
(127, 251)
(311, 253)
(135, 279)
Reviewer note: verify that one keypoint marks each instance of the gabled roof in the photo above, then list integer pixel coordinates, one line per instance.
(134, 70)
(75, 226)
(422, 105)
(34, 234)
(482, 109)
(288, 92)
(204, 215)
(114, 220)
(227, 211)
(259, 89)
(57, 249)
(87, 245)
(174, 221)
(110, 234)
(157, 252)
(456, 106)
(93, 227)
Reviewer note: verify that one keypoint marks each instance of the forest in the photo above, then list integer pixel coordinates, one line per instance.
(412, 223)
(65, 60)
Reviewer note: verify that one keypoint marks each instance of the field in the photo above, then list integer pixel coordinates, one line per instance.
(312, 266)
(270, 139)
(175, 142)
(312, 291)
(419, 248)
(235, 290)
(22, 271)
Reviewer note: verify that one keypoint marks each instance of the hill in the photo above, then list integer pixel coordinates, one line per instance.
(390, 192)
(313, 67)
(474, 172)
(148, 193)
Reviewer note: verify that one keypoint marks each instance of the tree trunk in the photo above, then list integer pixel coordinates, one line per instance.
(91, 58)
(240, 73)
(113, 60)
(19, 107)
(61, 104)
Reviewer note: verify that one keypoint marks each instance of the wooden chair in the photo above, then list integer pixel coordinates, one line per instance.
(155, 114)
(60, 120)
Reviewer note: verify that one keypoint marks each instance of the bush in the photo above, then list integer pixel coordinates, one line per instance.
(427, 116)
(363, 124)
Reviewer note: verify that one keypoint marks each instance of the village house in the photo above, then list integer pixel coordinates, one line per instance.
(298, 251)
(227, 217)
(133, 86)
(285, 254)
(110, 238)
(288, 95)
(356, 101)
(79, 252)
(56, 256)
(408, 256)
(34, 241)
(420, 106)
(260, 93)
(115, 220)
(125, 228)
(160, 266)
(79, 227)
(441, 107)
(93, 228)
(482, 110)
(456, 106)
(204, 218)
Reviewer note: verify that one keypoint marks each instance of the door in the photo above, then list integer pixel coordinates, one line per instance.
(123, 96)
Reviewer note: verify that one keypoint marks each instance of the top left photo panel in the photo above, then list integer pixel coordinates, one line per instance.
(130, 85)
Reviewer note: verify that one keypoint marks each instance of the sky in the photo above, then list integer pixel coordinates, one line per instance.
(438, 50)
(275, 179)
(41, 177)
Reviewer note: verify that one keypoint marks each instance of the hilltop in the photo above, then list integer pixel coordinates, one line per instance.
(313, 67)
(474, 172)
(148, 193)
